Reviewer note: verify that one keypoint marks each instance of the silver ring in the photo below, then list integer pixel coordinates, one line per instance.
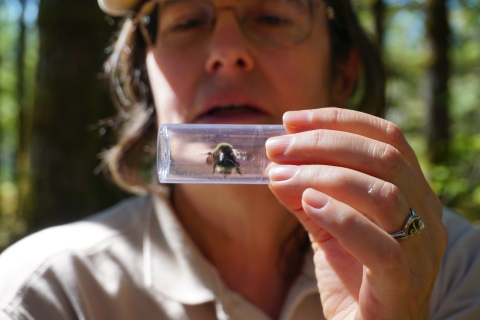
(413, 224)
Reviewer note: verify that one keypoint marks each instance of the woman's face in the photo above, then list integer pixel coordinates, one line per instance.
(229, 79)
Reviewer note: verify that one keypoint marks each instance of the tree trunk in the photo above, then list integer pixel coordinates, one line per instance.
(378, 9)
(24, 119)
(69, 97)
(438, 72)
(2, 89)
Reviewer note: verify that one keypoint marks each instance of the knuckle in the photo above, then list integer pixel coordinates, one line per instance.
(333, 115)
(315, 139)
(347, 220)
(390, 197)
(396, 138)
(390, 158)
(394, 134)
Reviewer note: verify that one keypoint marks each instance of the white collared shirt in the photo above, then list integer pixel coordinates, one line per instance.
(135, 261)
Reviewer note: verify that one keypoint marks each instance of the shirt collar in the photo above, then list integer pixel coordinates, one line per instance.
(304, 286)
(175, 267)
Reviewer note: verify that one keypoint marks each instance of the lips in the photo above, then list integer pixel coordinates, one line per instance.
(234, 114)
(232, 107)
(229, 109)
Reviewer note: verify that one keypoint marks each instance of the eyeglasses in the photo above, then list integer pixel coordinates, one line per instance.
(170, 25)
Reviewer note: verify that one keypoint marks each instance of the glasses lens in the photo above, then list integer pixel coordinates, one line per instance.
(279, 22)
(177, 24)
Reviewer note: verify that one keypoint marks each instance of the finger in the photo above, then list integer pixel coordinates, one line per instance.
(387, 268)
(378, 200)
(362, 124)
(360, 236)
(354, 122)
(350, 151)
(293, 203)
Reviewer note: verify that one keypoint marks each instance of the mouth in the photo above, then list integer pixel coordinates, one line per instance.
(232, 113)
(229, 109)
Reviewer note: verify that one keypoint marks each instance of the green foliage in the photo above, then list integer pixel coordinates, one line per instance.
(457, 179)
(458, 182)
(12, 226)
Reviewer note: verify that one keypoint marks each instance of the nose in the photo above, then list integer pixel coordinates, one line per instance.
(228, 48)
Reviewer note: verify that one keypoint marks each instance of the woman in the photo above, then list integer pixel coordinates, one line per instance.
(346, 184)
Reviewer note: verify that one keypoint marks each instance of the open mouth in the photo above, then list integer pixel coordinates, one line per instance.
(231, 109)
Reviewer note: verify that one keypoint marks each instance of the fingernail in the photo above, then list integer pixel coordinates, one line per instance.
(282, 173)
(315, 199)
(278, 145)
(297, 119)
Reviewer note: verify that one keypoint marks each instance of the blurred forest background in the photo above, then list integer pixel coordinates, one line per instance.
(52, 97)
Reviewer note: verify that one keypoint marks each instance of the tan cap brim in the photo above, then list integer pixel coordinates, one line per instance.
(117, 7)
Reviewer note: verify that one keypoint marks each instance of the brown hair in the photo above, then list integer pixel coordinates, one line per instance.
(126, 72)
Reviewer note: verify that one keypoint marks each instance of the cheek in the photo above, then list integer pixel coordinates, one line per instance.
(170, 88)
(163, 94)
(317, 66)
(301, 76)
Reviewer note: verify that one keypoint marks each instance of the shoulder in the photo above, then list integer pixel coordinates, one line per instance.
(58, 250)
(463, 240)
(457, 226)
(457, 293)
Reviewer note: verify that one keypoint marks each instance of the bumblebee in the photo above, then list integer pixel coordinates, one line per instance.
(224, 159)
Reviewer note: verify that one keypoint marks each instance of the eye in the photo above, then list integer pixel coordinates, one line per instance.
(271, 20)
(188, 25)
(184, 16)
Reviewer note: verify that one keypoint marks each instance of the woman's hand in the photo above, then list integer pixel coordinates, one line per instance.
(351, 178)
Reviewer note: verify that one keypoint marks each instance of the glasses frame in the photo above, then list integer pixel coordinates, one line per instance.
(317, 6)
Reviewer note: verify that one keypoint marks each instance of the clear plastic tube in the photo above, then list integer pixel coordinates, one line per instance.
(214, 154)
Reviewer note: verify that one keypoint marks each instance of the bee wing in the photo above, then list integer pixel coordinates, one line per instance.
(243, 155)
